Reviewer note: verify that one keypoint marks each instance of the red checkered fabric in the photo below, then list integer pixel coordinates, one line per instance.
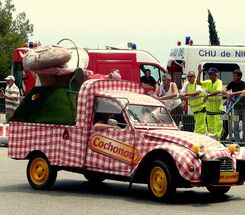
(72, 145)
(48, 138)
(99, 162)
(27, 137)
(88, 91)
(179, 144)
(132, 98)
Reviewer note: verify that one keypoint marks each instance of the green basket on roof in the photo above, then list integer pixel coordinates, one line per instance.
(49, 105)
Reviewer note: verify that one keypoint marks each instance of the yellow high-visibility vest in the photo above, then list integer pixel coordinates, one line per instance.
(213, 103)
(197, 103)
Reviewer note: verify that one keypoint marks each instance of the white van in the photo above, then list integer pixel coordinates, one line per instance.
(226, 59)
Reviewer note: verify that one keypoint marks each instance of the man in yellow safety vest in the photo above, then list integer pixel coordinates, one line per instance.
(197, 104)
(214, 104)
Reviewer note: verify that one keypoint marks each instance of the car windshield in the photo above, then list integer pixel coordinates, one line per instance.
(149, 114)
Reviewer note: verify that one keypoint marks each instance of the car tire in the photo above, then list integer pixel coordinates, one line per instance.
(40, 174)
(161, 182)
(219, 190)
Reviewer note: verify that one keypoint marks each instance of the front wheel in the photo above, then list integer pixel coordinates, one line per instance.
(161, 182)
(219, 190)
(40, 174)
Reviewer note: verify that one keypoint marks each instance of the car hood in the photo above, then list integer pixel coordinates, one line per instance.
(213, 148)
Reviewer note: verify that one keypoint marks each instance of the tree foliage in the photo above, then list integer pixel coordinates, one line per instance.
(213, 34)
(14, 31)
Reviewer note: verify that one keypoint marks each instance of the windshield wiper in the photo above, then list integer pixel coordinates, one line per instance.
(134, 115)
(152, 115)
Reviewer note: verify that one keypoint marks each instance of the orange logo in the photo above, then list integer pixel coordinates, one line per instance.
(113, 148)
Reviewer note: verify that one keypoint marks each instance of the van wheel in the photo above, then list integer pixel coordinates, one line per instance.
(40, 174)
(219, 190)
(161, 182)
(94, 177)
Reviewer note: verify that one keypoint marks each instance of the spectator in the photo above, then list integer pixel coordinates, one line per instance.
(237, 87)
(147, 80)
(166, 92)
(214, 104)
(197, 104)
(12, 97)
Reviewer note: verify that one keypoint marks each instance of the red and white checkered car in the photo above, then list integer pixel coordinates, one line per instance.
(141, 144)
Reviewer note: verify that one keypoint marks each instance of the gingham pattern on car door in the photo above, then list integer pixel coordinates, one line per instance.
(111, 162)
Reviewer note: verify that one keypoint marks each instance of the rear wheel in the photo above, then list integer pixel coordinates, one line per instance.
(161, 182)
(219, 190)
(39, 173)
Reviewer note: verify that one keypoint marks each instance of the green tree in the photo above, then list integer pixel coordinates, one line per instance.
(213, 34)
(14, 32)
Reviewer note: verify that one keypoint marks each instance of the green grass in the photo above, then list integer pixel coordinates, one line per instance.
(49, 105)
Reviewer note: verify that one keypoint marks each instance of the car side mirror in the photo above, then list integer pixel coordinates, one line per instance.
(112, 122)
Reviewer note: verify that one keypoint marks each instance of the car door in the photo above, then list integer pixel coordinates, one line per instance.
(112, 149)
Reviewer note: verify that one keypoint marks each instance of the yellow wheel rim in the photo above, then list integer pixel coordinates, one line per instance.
(39, 171)
(158, 181)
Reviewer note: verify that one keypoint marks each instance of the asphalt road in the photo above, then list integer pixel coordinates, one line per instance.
(72, 194)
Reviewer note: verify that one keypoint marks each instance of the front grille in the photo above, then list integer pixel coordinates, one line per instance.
(225, 164)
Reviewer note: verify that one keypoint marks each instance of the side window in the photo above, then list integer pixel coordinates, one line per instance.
(225, 71)
(156, 72)
(106, 109)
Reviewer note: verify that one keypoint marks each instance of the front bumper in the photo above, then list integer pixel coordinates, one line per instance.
(211, 173)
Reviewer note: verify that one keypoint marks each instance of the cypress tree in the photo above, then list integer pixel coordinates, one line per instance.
(213, 34)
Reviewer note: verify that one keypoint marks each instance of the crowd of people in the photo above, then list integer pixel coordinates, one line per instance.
(205, 99)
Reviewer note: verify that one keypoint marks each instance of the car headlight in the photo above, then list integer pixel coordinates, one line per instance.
(234, 148)
(198, 149)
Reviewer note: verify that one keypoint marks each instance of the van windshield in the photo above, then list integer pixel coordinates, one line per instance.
(225, 71)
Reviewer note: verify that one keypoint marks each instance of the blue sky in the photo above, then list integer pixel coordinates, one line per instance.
(153, 25)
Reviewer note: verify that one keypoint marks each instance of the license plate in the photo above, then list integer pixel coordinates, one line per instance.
(229, 177)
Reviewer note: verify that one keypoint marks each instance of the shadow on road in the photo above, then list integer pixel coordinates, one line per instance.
(112, 189)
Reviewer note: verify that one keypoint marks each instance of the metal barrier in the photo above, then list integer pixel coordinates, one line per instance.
(2, 105)
(2, 100)
(236, 120)
(233, 117)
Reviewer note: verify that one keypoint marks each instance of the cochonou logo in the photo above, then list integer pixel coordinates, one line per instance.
(115, 149)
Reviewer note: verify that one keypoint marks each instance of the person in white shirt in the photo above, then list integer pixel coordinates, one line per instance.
(196, 102)
(12, 97)
(167, 93)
